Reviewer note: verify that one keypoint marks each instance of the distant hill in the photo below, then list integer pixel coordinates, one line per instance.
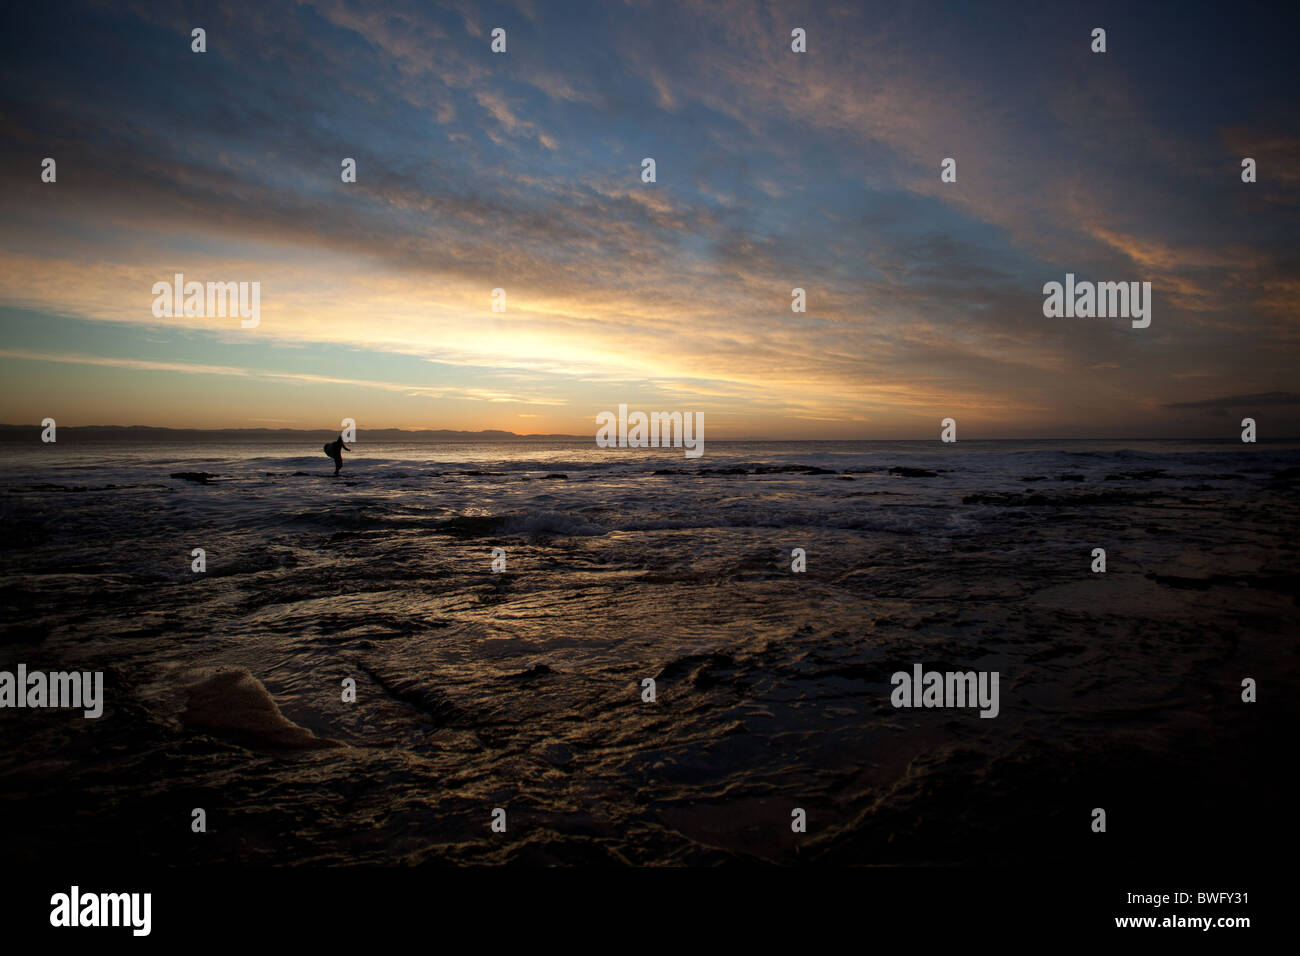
(149, 433)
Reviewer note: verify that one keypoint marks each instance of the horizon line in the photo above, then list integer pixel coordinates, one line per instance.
(564, 436)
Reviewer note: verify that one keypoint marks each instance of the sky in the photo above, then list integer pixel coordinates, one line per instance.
(775, 170)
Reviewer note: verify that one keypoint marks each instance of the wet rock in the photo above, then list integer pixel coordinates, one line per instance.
(236, 704)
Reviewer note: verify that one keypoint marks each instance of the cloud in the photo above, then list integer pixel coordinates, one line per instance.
(1261, 399)
(776, 170)
(296, 378)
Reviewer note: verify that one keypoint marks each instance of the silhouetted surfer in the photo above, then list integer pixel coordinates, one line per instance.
(335, 450)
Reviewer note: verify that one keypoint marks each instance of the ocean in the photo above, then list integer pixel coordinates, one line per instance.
(522, 689)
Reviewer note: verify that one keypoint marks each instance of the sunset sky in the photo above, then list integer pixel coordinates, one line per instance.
(775, 170)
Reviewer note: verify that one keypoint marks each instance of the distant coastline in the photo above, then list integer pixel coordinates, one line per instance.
(152, 433)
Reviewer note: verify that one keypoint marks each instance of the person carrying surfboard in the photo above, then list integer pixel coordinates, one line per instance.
(335, 450)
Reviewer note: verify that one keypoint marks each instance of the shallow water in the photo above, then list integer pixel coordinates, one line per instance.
(522, 689)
